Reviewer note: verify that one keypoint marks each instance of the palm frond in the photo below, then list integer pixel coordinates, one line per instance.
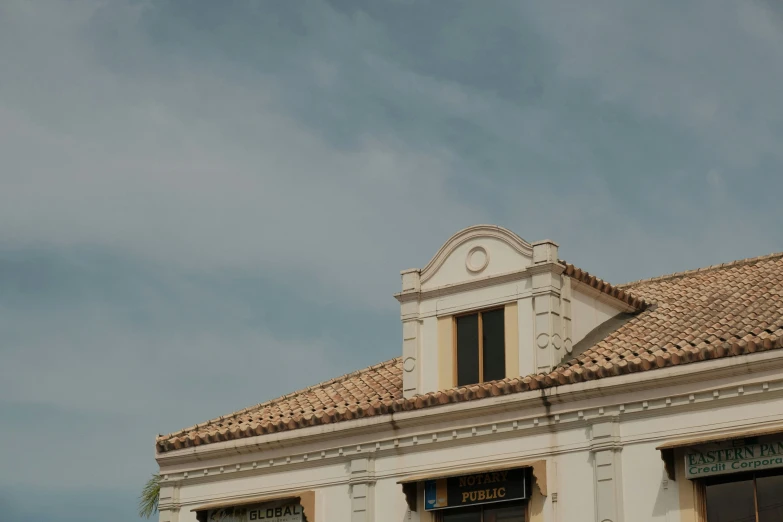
(150, 495)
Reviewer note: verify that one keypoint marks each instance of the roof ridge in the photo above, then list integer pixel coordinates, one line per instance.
(710, 268)
(261, 405)
(585, 277)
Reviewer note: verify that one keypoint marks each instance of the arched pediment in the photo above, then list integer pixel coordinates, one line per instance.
(476, 252)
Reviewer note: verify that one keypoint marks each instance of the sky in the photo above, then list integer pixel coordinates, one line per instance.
(205, 205)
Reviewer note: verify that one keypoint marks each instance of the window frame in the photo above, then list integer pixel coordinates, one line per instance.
(702, 484)
(455, 353)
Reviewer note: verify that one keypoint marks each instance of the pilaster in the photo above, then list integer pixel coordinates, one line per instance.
(410, 357)
(527, 336)
(547, 312)
(168, 504)
(362, 482)
(565, 299)
(409, 313)
(607, 467)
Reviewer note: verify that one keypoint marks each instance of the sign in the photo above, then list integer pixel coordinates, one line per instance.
(288, 513)
(476, 488)
(733, 457)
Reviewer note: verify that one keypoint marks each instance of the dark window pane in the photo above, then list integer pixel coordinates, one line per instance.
(494, 345)
(731, 502)
(769, 491)
(505, 513)
(462, 515)
(467, 350)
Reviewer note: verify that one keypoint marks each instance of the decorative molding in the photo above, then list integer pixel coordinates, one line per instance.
(516, 275)
(471, 432)
(549, 267)
(470, 263)
(466, 234)
(739, 369)
(473, 284)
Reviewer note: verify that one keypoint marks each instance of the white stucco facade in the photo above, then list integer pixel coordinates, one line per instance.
(631, 421)
(592, 445)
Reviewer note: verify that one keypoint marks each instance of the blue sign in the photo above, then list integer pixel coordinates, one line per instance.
(476, 488)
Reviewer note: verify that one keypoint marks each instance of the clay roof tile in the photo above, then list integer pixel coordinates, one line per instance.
(717, 311)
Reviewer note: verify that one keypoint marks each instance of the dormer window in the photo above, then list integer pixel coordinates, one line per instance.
(489, 306)
(480, 347)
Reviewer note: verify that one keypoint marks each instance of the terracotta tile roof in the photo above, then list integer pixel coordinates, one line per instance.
(338, 399)
(718, 311)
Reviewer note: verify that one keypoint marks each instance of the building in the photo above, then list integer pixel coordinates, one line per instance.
(527, 390)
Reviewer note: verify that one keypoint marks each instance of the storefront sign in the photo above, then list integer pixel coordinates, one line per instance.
(476, 488)
(732, 457)
(289, 513)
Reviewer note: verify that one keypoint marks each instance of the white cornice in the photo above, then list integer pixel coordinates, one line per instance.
(644, 394)
(516, 275)
(473, 284)
(513, 426)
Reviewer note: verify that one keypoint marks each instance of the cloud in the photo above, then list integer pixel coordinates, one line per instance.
(206, 205)
(192, 169)
(264, 162)
(94, 505)
(686, 64)
(99, 356)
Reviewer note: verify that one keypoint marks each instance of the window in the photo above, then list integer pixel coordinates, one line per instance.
(752, 497)
(480, 347)
(503, 512)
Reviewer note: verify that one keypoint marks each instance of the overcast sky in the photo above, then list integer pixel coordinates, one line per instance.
(204, 205)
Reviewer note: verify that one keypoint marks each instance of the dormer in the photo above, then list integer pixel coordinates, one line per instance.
(490, 305)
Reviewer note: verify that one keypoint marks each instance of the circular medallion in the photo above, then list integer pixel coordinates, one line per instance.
(477, 259)
(409, 364)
